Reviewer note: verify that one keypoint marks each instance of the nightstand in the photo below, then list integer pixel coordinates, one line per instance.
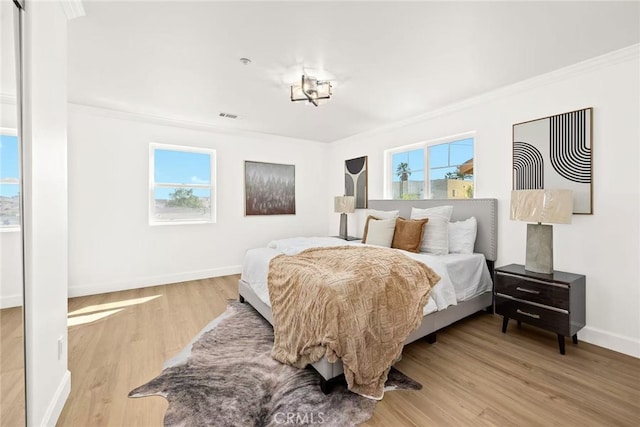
(555, 302)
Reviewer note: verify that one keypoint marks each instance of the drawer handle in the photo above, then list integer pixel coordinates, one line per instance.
(531, 279)
(535, 316)
(529, 291)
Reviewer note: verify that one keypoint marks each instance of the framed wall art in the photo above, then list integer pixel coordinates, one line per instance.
(269, 189)
(355, 180)
(556, 153)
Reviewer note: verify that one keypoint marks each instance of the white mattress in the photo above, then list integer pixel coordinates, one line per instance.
(462, 276)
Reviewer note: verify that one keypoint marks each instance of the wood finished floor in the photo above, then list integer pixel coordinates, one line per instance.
(11, 368)
(473, 375)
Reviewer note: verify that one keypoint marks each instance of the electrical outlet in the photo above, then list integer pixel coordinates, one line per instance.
(60, 342)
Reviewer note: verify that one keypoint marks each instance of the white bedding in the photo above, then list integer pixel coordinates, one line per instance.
(468, 273)
(462, 276)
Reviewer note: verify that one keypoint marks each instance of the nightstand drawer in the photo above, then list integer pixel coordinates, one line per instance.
(529, 289)
(552, 320)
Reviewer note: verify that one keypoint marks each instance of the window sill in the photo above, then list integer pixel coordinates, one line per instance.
(9, 229)
(179, 222)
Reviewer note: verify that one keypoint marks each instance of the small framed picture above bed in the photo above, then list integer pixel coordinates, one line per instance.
(355, 180)
(269, 189)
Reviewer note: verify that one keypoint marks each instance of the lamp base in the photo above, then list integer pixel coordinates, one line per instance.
(343, 226)
(539, 258)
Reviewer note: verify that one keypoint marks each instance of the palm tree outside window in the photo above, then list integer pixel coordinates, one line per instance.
(408, 174)
(403, 172)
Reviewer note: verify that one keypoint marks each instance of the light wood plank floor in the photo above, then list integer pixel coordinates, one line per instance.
(473, 375)
(11, 368)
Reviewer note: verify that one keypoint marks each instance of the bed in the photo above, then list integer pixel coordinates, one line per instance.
(470, 276)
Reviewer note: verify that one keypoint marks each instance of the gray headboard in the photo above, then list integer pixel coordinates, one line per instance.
(485, 211)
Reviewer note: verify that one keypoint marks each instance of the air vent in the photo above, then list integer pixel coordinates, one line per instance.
(229, 116)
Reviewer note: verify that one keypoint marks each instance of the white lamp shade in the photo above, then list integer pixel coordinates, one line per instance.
(324, 90)
(542, 206)
(297, 94)
(344, 204)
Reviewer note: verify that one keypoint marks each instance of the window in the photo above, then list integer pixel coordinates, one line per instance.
(441, 169)
(9, 181)
(408, 174)
(181, 184)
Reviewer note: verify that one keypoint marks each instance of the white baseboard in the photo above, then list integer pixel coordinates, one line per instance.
(144, 282)
(610, 340)
(57, 403)
(8, 301)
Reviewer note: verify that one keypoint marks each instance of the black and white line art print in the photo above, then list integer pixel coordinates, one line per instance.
(556, 153)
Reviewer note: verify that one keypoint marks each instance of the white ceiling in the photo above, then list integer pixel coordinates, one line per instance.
(390, 61)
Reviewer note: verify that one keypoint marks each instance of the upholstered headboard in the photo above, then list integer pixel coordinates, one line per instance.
(485, 211)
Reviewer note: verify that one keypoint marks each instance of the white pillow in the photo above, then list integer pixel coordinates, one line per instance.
(445, 211)
(383, 214)
(380, 232)
(462, 236)
(435, 239)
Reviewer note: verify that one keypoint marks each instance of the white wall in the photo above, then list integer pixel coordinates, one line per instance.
(45, 215)
(112, 246)
(10, 269)
(603, 246)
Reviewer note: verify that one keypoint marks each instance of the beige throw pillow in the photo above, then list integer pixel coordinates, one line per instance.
(379, 232)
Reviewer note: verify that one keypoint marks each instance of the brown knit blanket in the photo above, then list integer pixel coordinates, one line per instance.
(354, 303)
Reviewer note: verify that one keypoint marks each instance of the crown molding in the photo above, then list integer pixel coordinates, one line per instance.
(117, 113)
(615, 57)
(72, 8)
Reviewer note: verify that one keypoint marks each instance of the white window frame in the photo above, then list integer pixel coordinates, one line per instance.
(14, 132)
(153, 185)
(388, 160)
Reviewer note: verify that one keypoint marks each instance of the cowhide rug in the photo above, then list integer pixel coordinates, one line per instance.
(226, 377)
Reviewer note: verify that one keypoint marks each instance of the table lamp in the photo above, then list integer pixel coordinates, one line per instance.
(542, 207)
(344, 205)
